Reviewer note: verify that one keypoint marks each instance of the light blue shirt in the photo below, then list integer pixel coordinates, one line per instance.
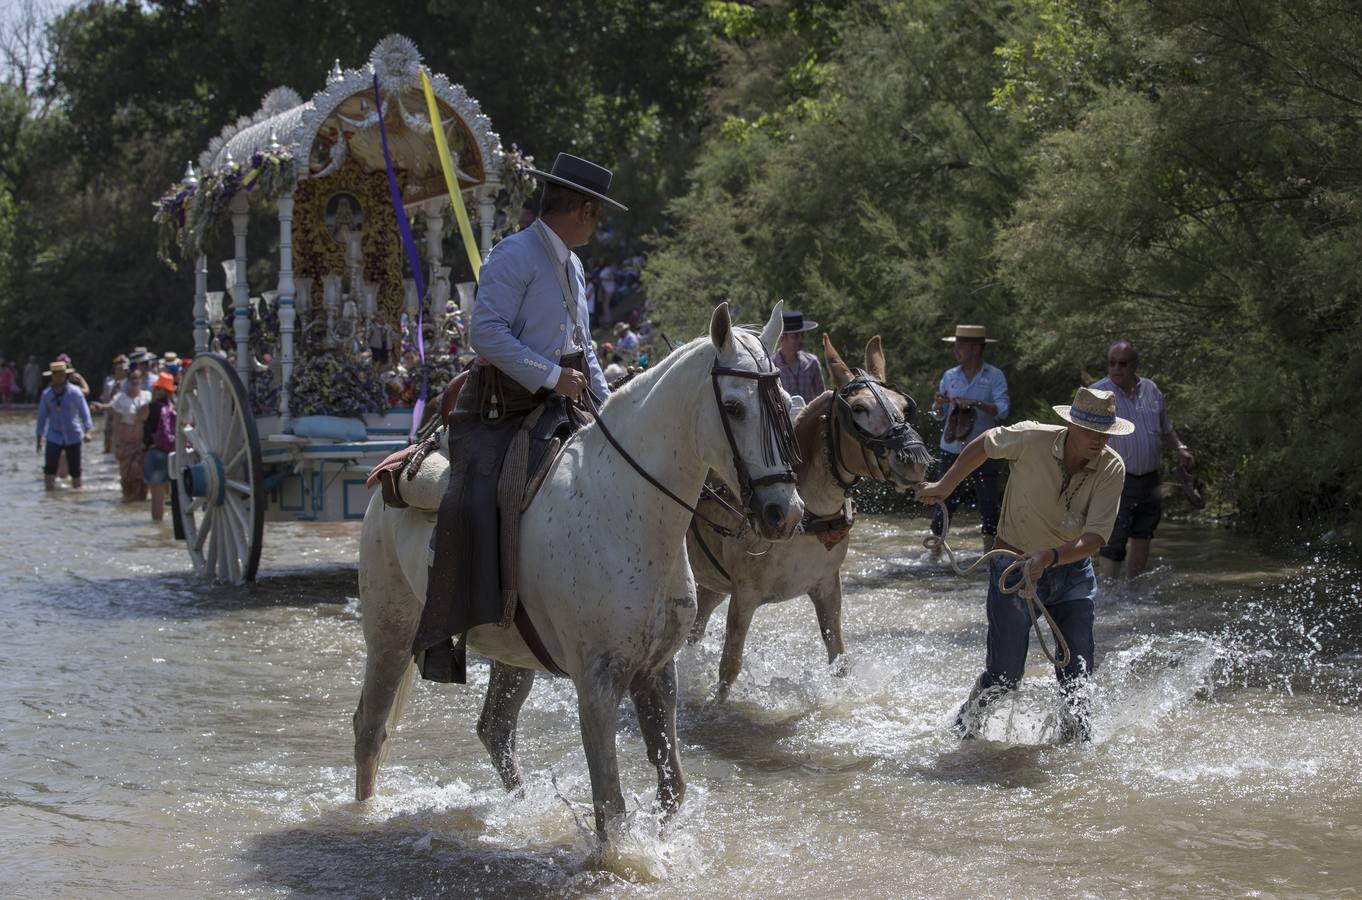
(1141, 450)
(63, 418)
(989, 385)
(520, 321)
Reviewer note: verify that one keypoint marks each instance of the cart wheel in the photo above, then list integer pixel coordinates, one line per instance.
(216, 472)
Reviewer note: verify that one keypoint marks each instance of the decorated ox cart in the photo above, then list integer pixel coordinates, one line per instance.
(295, 391)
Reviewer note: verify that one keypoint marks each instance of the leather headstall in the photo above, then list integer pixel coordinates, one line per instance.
(899, 439)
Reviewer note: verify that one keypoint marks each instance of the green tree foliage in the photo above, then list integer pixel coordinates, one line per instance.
(136, 89)
(1183, 173)
(1210, 214)
(873, 203)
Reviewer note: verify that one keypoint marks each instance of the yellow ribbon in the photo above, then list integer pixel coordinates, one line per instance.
(451, 181)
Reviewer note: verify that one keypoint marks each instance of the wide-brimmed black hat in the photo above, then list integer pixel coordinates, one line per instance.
(794, 322)
(582, 176)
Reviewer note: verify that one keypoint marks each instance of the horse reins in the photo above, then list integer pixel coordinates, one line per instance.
(778, 445)
(1025, 588)
(898, 433)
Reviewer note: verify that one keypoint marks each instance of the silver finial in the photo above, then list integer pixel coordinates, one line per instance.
(275, 146)
(191, 177)
(335, 73)
(229, 159)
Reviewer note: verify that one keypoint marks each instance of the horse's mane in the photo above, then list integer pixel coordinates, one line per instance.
(644, 380)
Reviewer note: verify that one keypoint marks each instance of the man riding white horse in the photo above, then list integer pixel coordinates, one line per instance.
(531, 330)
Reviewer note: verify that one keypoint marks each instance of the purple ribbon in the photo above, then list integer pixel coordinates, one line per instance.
(413, 257)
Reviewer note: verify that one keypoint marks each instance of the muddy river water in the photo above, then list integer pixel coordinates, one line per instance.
(162, 737)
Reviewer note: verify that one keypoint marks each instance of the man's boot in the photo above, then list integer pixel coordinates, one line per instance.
(973, 710)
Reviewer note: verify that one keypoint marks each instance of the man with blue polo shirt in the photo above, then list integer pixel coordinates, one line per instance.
(64, 420)
(530, 327)
(971, 399)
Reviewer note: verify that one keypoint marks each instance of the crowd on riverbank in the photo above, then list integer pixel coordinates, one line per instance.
(136, 401)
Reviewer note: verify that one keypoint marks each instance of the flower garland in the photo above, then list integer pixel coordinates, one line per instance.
(264, 393)
(192, 212)
(336, 384)
(517, 185)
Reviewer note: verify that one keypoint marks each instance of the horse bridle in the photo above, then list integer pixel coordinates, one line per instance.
(776, 430)
(898, 439)
(778, 444)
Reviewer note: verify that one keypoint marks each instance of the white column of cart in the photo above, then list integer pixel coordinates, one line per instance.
(201, 304)
(286, 306)
(241, 312)
(487, 212)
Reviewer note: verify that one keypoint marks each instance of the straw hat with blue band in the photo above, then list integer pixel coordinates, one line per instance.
(1095, 411)
(582, 176)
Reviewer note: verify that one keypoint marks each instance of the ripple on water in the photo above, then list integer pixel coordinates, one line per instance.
(172, 738)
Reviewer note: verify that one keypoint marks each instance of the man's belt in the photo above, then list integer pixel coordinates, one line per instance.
(499, 394)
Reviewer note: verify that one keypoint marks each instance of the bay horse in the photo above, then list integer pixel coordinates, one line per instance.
(603, 573)
(857, 430)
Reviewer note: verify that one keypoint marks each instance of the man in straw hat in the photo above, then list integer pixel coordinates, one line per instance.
(971, 399)
(800, 372)
(64, 419)
(531, 330)
(1063, 492)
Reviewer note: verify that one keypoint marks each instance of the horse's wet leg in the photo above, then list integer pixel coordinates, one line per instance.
(740, 610)
(708, 601)
(655, 701)
(383, 674)
(598, 699)
(827, 603)
(507, 688)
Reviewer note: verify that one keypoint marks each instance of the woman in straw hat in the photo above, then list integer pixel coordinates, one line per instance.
(1063, 492)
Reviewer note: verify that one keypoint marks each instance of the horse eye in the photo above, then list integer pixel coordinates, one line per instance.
(733, 408)
(860, 409)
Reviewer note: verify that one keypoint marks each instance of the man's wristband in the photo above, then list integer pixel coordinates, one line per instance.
(1055, 551)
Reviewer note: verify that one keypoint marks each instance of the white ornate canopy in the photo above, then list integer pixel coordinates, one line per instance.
(340, 122)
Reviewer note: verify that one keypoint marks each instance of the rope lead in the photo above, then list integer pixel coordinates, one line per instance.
(1025, 588)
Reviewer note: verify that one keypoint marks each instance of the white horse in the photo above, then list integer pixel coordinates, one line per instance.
(603, 569)
(844, 435)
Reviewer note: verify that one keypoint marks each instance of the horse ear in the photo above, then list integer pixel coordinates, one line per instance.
(775, 327)
(874, 358)
(841, 374)
(721, 327)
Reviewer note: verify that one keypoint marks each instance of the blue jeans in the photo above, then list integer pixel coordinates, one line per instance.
(156, 466)
(1067, 592)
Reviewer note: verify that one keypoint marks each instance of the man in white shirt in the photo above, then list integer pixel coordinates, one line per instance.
(1140, 401)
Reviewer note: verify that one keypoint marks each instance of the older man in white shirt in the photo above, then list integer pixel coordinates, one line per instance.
(1139, 401)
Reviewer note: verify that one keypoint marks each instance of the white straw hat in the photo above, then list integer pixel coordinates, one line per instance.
(1095, 411)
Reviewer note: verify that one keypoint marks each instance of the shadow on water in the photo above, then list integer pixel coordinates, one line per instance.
(187, 595)
(404, 857)
(729, 732)
(987, 763)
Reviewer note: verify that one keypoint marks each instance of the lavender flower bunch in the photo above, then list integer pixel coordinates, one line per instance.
(336, 384)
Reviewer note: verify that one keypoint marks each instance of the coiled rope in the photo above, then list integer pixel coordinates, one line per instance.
(1025, 588)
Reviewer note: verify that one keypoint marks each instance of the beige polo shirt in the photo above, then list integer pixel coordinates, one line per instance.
(1040, 508)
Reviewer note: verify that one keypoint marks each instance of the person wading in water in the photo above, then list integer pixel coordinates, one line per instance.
(1063, 491)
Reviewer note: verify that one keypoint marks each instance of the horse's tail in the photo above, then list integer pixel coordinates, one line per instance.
(395, 713)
